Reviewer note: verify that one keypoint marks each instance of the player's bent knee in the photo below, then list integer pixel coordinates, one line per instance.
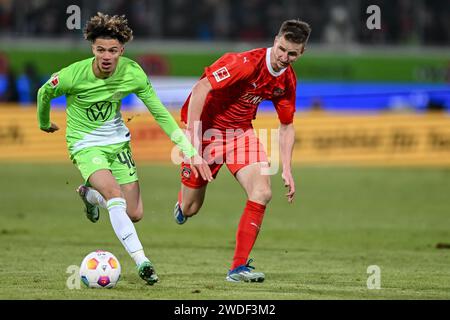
(111, 193)
(261, 195)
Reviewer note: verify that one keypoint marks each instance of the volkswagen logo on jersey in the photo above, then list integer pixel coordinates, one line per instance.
(99, 111)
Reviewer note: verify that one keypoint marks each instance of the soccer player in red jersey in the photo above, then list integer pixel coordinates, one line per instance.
(219, 114)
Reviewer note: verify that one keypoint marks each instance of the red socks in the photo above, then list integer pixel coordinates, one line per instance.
(247, 232)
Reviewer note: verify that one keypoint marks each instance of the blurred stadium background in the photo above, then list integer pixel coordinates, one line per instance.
(348, 70)
(365, 97)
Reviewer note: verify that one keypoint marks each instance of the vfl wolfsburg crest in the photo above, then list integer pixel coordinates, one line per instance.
(100, 111)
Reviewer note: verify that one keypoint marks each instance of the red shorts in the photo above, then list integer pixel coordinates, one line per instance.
(236, 149)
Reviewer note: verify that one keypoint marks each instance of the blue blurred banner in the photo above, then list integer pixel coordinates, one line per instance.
(370, 97)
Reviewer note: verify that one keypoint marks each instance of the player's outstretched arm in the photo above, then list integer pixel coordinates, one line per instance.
(53, 88)
(287, 138)
(196, 103)
(43, 109)
(171, 128)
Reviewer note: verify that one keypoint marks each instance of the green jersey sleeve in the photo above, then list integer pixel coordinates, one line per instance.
(162, 116)
(58, 85)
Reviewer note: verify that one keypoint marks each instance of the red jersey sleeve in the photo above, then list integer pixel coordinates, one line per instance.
(228, 70)
(285, 105)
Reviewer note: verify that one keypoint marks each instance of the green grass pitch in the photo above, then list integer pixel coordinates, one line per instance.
(343, 220)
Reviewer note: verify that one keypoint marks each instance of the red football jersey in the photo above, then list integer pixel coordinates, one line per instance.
(240, 81)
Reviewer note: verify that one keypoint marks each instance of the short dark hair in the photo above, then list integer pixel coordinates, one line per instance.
(105, 26)
(295, 31)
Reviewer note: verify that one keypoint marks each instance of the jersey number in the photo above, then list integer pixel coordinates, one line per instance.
(126, 158)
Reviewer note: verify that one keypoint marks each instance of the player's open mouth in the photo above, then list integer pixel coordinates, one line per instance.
(106, 65)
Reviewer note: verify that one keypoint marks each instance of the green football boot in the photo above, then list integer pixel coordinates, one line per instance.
(147, 272)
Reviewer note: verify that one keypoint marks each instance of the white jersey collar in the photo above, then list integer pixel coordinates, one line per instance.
(269, 66)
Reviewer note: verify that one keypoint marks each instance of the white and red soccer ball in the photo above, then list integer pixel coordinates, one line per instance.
(100, 269)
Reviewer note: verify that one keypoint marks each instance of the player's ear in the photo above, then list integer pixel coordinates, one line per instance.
(302, 50)
(275, 40)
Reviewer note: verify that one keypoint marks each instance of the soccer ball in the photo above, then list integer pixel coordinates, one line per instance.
(100, 269)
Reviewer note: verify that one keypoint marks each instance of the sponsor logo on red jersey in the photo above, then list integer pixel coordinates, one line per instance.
(221, 74)
(251, 98)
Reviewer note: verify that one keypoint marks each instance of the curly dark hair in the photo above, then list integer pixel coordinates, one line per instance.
(106, 26)
(295, 31)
